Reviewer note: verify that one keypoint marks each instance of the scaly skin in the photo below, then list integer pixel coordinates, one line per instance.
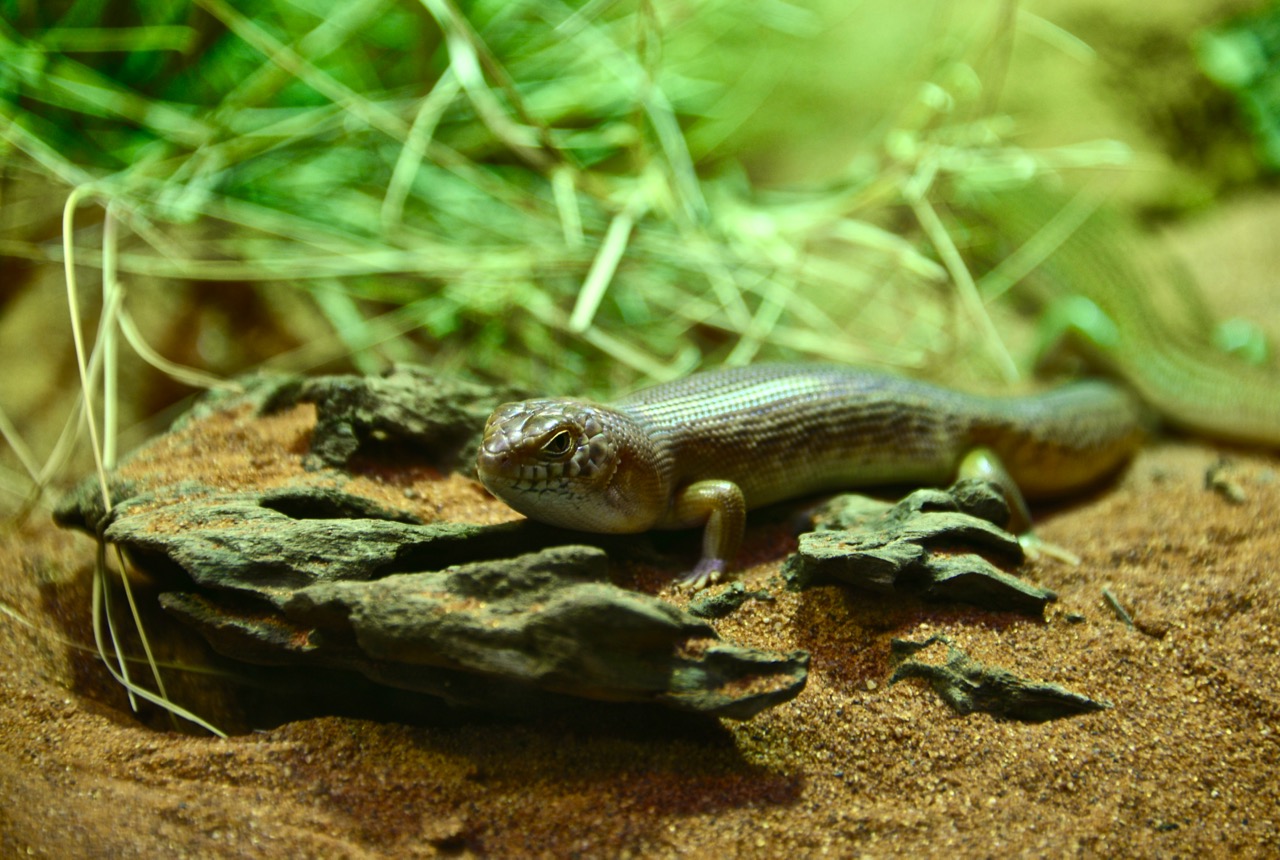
(702, 450)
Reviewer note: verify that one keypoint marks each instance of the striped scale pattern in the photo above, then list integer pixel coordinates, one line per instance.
(784, 430)
(702, 449)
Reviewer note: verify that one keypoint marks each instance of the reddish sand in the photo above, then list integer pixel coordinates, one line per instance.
(1184, 764)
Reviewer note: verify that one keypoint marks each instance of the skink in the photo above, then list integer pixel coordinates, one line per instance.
(702, 450)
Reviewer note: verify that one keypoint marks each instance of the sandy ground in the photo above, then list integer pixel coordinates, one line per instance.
(1183, 764)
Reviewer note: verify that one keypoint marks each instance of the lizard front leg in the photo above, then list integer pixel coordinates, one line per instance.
(720, 507)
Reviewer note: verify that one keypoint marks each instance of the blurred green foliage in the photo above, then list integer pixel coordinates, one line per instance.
(1243, 55)
(538, 190)
(513, 180)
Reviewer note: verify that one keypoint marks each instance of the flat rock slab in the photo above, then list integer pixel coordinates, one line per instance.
(324, 523)
(489, 632)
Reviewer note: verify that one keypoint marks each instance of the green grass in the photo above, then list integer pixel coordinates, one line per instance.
(528, 190)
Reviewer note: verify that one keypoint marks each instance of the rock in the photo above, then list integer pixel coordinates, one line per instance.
(967, 686)
(935, 544)
(540, 623)
(409, 406)
(282, 540)
(718, 604)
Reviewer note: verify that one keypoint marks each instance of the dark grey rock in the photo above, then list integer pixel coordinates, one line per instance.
(718, 604)
(540, 623)
(438, 416)
(972, 496)
(304, 573)
(236, 542)
(967, 685)
(970, 578)
(847, 511)
(932, 544)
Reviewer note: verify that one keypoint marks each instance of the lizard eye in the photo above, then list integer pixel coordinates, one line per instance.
(560, 444)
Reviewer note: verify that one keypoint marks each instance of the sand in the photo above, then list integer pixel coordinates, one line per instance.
(1183, 764)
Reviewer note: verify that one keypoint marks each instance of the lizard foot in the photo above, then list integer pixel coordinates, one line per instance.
(706, 572)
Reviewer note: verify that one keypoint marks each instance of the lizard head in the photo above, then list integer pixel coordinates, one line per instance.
(572, 464)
